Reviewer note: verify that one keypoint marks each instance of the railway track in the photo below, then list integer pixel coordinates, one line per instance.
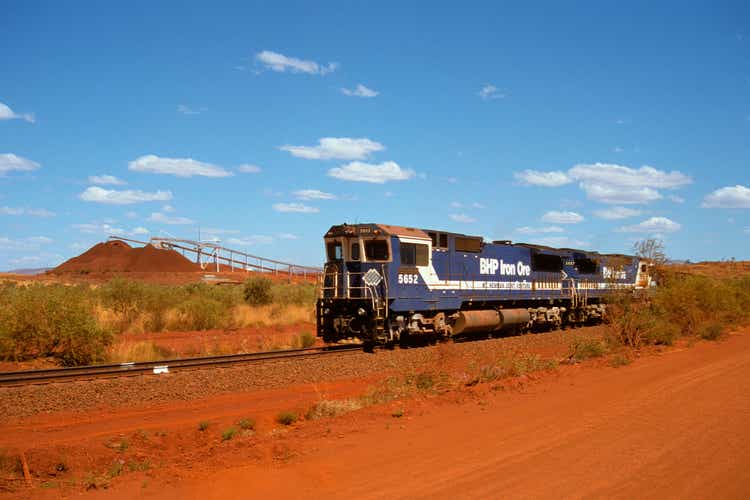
(46, 376)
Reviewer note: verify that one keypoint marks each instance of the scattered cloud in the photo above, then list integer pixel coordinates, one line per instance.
(652, 225)
(336, 148)
(375, 173)
(539, 230)
(360, 91)
(8, 114)
(489, 92)
(313, 194)
(610, 183)
(281, 63)
(256, 239)
(287, 236)
(452, 180)
(187, 110)
(180, 167)
(676, 199)
(728, 197)
(617, 149)
(559, 241)
(140, 230)
(131, 214)
(126, 197)
(463, 218)
(33, 212)
(456, 204)
(30, 243)
(616, 213)
(167, 208)
(477, 205)
(162, 218)
(106, 180)
(99, 227)
(10, 162)
(247, 168)
(556, 217)
(545, 179)
(295, 207)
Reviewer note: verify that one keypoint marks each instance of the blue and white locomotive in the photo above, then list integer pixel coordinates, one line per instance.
(385, 284)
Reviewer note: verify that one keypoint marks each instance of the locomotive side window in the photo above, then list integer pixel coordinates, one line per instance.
(439, 240)
(468, 244)
(354, 254)
(434, 238)
(443, 243)
(335, 251)
(413, 254)
(546, 262)
(376, 250)
(586, 265)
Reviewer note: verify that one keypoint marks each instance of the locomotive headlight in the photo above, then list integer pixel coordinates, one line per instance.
(361, 312)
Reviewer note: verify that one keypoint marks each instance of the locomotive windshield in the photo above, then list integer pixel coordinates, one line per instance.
(335, 251)
(376, 250)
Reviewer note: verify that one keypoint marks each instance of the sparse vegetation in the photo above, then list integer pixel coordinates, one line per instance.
(398, 413)
(286, 418)
(77, 324)
(228, 433)
(327, 408)
(247, 424)
(203, 426)
(584, 348)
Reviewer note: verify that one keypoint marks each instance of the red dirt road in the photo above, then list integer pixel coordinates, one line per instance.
(674, 425)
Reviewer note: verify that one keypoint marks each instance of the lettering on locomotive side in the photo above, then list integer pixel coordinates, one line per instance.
(617, 274)
(492, 266)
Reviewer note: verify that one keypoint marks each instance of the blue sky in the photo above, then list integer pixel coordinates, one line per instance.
(590, 124)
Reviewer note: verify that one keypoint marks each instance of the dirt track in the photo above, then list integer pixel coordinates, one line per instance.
(675, 425)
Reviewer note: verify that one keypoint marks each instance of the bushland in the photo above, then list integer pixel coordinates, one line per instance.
(78, 324)
(682, 305)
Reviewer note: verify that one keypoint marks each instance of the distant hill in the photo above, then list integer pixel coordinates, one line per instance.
(38, 270)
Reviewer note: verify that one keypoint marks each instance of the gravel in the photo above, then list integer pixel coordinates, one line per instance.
(132, 391)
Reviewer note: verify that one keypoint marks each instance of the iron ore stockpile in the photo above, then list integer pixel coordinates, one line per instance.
(119, 256)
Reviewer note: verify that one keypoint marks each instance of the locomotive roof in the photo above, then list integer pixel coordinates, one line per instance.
(412, 232)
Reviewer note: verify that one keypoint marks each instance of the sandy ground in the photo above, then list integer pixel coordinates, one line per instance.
(675, 423)
(673, 426)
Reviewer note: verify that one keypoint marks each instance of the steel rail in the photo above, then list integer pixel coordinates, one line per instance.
(49, 375)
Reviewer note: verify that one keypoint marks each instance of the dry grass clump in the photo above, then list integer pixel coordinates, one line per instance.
(514, 365)
(124, 352)
(682, 306)
(581, 348)
(327, 408)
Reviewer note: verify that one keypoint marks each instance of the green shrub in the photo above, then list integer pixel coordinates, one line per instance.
(306, 339)
(286, 418)
(228, 433)
(203, 313)
(202, 426)
(51, 320)
(303, 294)
(257, 291)
(247, 424)
(581, 348)
(711, 331)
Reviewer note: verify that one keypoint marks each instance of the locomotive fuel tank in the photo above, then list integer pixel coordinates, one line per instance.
(489, 320)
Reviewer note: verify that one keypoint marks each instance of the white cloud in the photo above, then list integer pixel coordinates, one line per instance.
(106, 180)
(42, 240)
(555, 217)
(615, 213)
(676, 199)
(187, 110)
(10, 162)
(545, 179)
(490, 92)
(287, 236)
(313, 194)
(33, 212)
(180, 167)
(477, 205)
(367, 172)
(609, 183)
(99, 227)
(452, 180)
(214, 230)
(281, 63)
(360, 91)
(161, 218)
(652, 225)
(126, 197)
(538, 230)
(256, 239)
(30, 243)
(618, 175)
(728, 197)
(559, 241)
(457, 204)
(463, 218)
(8, 114)
(336, 148)
(139, 230)
(131, 214)
(247, 168)
(167, 208)
(295, 207)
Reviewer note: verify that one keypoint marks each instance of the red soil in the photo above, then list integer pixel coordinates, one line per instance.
(673, 425)
(119, 256)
